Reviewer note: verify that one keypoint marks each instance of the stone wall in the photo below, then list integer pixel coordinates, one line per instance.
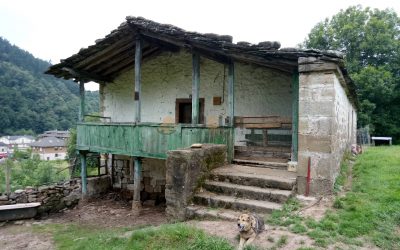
(327, 124)
(186, 170)
(53, 198)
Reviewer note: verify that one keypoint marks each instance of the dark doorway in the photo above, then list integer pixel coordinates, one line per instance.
(183, 110)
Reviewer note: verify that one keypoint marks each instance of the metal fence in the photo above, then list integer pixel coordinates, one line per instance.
(363, 136)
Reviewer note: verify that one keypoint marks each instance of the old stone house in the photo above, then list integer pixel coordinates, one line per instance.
(163, 88)
(50, 148)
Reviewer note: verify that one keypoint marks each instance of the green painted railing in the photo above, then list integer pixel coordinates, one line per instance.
(148, 139)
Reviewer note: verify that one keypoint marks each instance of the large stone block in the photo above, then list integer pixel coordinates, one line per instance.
(315, 143)
(317, 186)
(186, 170)
(321, 108)
(321, 126)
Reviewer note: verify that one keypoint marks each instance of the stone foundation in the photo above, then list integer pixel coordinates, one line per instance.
(186, 170)
(153, 181)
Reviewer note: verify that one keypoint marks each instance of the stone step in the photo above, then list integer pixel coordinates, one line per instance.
(262, 164)
(202, 212)
(228, 202)
(248, 192)
(254, 176)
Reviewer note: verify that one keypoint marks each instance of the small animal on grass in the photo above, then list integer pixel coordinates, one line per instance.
(250, 225)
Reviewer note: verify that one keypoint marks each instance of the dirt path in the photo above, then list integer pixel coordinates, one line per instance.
(106, 212)
(20, 236)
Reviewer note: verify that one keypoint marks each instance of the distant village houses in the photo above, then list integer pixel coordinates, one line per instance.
(50, 148)
(20, 142)
(3, 150)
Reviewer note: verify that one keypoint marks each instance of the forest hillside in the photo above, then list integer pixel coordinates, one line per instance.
(32, 102)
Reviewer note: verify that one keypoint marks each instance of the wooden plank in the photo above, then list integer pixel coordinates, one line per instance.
(115, 69)
(105, 52)
(138, 76)
(231, 93)
(150, 140)
(263, 125)
(195, 88)
(264, 119)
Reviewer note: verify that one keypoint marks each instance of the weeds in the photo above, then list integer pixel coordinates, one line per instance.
(370, 211)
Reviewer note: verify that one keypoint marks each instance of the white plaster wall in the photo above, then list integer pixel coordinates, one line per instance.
(52, 156)
(258, 91)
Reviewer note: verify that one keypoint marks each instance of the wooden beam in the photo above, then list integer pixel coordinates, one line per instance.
(106, 62)
(82, 101)
(94, 58)
(262, 119)
(138, 76)
(231, 93)
(128, 62)
(195, 88)
(86, 76)
(295, 116)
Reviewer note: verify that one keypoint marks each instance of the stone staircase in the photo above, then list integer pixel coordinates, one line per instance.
(234, 189)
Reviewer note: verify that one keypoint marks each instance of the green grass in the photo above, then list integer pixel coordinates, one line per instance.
(371, 210)
(169, 236)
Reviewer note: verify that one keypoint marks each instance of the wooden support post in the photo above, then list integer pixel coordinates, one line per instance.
(138, 76)
(82, 101)
(231, 93)
(83, 172)
(98, 165)
(8, 176)
(136, 205)
(195, 88)
(295, 115)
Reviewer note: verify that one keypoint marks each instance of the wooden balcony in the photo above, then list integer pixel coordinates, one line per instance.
(148, 139)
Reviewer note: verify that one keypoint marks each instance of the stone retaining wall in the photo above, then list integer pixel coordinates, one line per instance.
(54, 198)
(186, 170)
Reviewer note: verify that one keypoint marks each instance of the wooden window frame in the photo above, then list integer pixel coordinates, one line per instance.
(189, 100)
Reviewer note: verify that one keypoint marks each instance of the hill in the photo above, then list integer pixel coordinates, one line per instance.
(32, 102)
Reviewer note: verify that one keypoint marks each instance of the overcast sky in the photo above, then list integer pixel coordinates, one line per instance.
(56, 29)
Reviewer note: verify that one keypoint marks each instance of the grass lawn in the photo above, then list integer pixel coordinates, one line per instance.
(166, 237)
(371, 210)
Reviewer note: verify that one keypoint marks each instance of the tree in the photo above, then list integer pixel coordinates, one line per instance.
(370, 40)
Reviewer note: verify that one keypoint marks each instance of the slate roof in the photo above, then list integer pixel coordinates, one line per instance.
(48, 142)
(114, 54)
